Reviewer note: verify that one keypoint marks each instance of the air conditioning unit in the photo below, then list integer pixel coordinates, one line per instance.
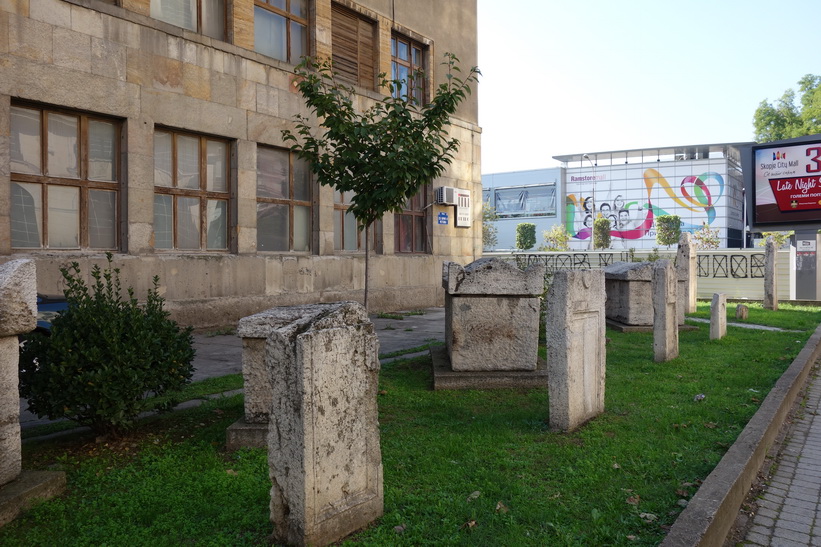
(445, 195)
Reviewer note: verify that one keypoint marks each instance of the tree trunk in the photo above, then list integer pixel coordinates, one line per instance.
(367, 263)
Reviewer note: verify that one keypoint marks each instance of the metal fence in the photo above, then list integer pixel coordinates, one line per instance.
(738, 273)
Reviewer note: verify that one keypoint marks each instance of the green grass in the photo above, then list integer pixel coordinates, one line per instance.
(789, 316)
(616, 481)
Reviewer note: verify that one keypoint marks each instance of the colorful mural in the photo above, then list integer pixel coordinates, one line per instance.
(632, 215)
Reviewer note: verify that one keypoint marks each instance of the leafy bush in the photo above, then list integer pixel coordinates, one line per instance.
(556, 239)
(601, 233)
(105, 355)
(490, 235)
(668, 229)
(525, 235)
(780, 238)
(706, 238)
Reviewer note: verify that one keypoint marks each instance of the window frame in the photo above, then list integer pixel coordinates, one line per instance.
(339, 228)
(198, 20)
(365, 40)
(289, 18)
(419, 87)
(416, 208)
(292, 202)
(82, 182)
(202, 193)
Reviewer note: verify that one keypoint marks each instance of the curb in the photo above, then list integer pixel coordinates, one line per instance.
(712, 512)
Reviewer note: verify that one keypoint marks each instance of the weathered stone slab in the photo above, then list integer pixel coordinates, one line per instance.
(18, 297)
(491, 276)
(575, 348)
(742, 312)
(444, 378)
(718, 317)
(686, 264)
(28, 488)
(630, 294)
(770, 277)
(323, 440)
(665, 296)
(492, 333)
(254, 329)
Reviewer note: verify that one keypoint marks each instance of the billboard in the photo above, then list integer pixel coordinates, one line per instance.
(786, 183)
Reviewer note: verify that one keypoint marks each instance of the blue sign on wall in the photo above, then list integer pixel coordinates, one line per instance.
(443, 218)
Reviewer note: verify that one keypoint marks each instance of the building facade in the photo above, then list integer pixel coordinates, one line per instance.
(151, 129)
(531, 196)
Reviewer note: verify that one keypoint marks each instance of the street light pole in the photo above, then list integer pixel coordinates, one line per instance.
(593, 201)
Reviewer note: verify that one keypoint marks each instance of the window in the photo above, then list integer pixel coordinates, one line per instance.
(352, 47)
(190, 192)
(204, 16)
(283, 201)
(526, 201)
(346, 235)
(281, 29)
(407, 65)
(64, 179)
(409, 225)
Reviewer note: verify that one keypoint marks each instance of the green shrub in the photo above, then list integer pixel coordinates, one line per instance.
(601, 233)
(490, 233)
(105, 355)
(668, 229)
(556, 239)
(525, 235)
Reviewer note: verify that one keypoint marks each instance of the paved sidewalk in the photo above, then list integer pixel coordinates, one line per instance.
(789, 511)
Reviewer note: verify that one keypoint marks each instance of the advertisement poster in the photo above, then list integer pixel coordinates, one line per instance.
(787, 184)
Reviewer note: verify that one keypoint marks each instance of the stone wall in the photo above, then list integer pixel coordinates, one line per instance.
(94, 57)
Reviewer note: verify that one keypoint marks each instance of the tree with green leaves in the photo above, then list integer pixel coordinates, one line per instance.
(490, 233)
(601, 233)
(525, 235)
(668, 229)
(556, 239)
(383, 154)
(785, 119)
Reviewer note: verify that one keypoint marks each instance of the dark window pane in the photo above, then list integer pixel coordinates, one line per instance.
(272, 173)
(272, 227)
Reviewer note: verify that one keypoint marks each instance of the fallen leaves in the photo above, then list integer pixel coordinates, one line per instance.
(501, 507)
(474, 495)
(633, 500)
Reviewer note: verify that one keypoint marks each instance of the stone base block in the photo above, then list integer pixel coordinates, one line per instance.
(621, 327)
(242, 434)
(446, 378)
(28, 487)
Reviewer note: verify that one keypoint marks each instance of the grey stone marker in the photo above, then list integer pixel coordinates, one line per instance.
(492, 315)
(630, 295)
(324, 457)
(576, 356)
(18, 315)
(665, 296)
(718, 317)
(742, 312)
(770, 277)
(687, 274)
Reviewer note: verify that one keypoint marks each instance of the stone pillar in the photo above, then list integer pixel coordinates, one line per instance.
(324, 458)
(686, 268)
(718, 317)
(492, 315)
(575, 348)
(770, 276)
(18, 315)
(665, 296)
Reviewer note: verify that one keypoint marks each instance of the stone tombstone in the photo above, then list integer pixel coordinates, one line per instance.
(18, 315)
(742, 312)
(324, 457)
(665, 313)
(492, 315)
(686, 268)
(770, 275)
(630, 295)
(718, 317)
(575, 348)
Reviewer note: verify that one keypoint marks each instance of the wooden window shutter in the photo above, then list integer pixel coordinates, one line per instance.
(353, 47)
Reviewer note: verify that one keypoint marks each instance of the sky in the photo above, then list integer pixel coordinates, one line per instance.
(582, 76)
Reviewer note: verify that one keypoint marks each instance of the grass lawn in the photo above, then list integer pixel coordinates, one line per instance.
(460, 468)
